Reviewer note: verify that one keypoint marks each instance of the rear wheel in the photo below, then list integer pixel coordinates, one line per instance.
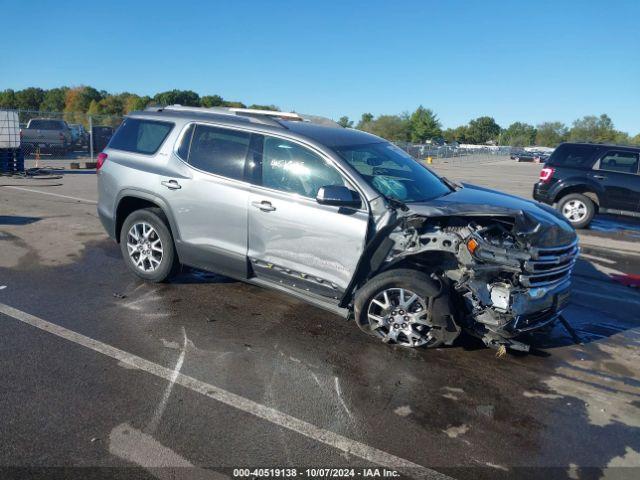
(578, 209)
(394, 307)
(147, 245)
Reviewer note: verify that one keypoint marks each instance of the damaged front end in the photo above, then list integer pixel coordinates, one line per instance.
(508, 269)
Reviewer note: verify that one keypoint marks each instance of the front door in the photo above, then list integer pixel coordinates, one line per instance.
(617, 172)
(294, 240)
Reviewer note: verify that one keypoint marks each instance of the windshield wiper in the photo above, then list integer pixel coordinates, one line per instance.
(396, 204)
(451, 184)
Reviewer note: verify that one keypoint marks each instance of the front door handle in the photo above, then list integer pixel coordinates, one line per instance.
(264, 205)
(171, 184)
(600, 177)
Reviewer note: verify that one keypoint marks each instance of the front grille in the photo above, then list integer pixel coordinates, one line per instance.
(548, 266)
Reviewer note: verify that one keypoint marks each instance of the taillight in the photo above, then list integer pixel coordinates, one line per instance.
(546, 173)
(102, 157)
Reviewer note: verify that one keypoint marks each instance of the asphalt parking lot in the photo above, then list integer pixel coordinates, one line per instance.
(119, 378)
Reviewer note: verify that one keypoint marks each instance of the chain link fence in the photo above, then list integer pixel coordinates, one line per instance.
(64, 139)
(456, 154)
(73, 140)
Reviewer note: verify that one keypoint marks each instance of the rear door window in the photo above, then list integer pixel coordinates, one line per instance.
(573, 156)
(216, 150)
(617, 161)
(140, 136)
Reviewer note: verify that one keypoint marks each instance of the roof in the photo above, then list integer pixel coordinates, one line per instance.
(331, 136)
(323, 131)
(604, 145)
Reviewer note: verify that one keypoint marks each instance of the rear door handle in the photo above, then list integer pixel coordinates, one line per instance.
(264, 205)
(171, 184)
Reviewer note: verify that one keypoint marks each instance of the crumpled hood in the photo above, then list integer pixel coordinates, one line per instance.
(541, 225)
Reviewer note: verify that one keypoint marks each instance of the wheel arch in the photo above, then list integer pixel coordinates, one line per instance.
(130, 201)
(586, 190)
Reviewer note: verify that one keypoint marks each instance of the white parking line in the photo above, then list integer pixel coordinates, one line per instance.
(163, 463)
(327, 437)
(53, 194)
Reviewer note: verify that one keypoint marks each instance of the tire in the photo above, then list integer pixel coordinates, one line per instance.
(577, 209)
(145, 260)
(400, 328)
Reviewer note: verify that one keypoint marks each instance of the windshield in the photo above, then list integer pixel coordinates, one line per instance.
(393, 173)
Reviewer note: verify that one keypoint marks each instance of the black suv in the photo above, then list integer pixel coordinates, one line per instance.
(582, 179)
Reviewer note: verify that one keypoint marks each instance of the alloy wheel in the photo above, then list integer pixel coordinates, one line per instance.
(400, 316)
(144, 247)
(574, 211)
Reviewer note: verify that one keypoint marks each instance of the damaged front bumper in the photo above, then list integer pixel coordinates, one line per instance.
(527, 310)
(540, 292)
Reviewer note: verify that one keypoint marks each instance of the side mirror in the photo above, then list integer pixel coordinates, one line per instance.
(339, 196)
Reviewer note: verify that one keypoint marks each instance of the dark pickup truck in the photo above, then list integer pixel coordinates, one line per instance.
(582, 179)
(46, 135)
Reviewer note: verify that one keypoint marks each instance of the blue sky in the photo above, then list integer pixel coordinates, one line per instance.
(514, 60)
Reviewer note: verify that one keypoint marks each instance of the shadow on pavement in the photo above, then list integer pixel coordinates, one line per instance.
(17, 220)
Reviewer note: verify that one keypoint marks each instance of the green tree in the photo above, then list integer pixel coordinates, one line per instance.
(482, 129)
(390, 127)
(8, 99)
(134, 102)
(518, 134)
(53, 100)
(424, 125)
(593, 129)
(234, 104)
(209, 101)
(458, 134)
(635, 140)
(187, 98)
(29, 98)
(365, 119)
(78, 99)
(550, 134)
(345, 122)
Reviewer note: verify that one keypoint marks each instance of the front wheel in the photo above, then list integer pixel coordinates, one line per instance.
(147, 245)
(407, 308)
(577, 209)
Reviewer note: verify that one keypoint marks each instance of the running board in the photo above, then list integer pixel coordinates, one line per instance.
(304, 296)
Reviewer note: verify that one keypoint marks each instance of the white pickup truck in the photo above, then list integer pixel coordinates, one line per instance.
(46, 134)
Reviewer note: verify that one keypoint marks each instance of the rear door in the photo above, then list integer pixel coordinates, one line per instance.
(617, 172)
(294, 240)
(209, 198)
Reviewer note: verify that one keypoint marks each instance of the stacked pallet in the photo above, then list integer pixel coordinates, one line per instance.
(11, 160)
(11, 156)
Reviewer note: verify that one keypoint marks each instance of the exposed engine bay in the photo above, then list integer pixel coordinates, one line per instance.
(507, 274)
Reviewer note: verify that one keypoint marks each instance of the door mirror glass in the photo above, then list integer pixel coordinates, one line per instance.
(338, 195)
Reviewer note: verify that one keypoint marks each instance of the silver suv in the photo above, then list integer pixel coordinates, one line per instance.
(334, 216)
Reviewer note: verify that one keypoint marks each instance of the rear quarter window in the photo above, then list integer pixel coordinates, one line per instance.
(573, 156)
(140, 136)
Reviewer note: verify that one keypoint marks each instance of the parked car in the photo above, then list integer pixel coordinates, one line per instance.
(337, 217)
(78, 134)
(101, 136)
(46, 135)
(529, 156)
(583, 179)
